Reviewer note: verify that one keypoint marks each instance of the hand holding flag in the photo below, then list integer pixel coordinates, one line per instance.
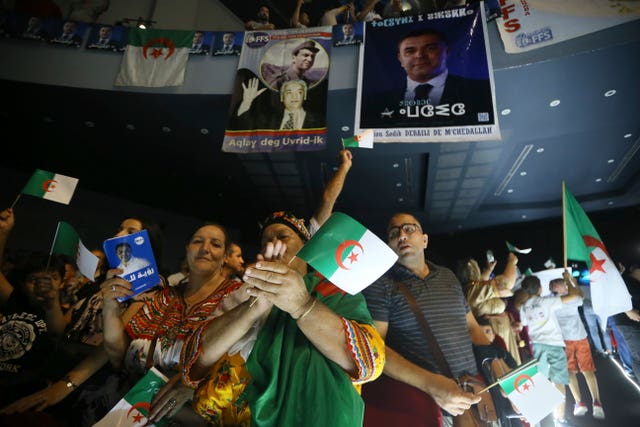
(347, 253)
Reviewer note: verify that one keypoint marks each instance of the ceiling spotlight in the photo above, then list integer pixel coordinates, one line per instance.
(610, 92)
(610, 161)
(396, 165)
(554, 103)
(540, 150)
(627, 135)
(89, 124)
(166, 129)
(524, 216)
(344, 128)
(400, 199)
(204, 131)
(523, 173)
(598, 179)
(139, 22)
(510, 190)
(506, 111)
(610, 203)
(47, 119)
(130, 126)
(398, 184)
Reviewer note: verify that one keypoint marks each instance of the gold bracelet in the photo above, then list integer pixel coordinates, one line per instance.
(313, 304)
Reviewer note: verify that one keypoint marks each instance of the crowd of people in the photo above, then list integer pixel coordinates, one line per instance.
(242, 342)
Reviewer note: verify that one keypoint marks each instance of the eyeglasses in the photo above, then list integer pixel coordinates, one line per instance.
(408, 228)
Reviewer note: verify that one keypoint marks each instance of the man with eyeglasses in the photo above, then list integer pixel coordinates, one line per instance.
(442, 302)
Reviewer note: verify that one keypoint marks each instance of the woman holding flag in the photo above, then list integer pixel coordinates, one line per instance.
(293, 351)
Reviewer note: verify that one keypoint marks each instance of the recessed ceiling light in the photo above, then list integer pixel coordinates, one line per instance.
(396, 165)
(523, 173)
(610, 92)
(598, 179)
(344, 128)
(510, 190)
(524, 216)
(166, 129)
(89, 124)
(459, 227)
(627, 135)
(400, 199)
(506, 111)
(610, 161)
(610, 203)
(540, 150)
(398, 184)
(554, 103)
(47, 119)
(130, 126)
(204, 131)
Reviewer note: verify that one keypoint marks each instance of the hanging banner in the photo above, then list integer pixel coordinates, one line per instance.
(531, 24)
(427, 78)
(279, 101)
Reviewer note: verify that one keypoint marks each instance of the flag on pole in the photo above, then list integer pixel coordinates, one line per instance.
(134, 408)
(609, 294)
(533, 394)
(363, 140)
(155, 58)
(347, 253)
(512, 248)
(67, 242)
(51, 186)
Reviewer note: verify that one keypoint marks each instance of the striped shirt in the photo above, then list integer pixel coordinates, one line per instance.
(443, 304)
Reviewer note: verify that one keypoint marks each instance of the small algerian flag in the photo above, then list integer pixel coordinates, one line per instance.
(155, 58)
(67, 242)
(134, 408)
(532, 393)
(512, 248)
(51, 186)
(364, 140)
(347, 254)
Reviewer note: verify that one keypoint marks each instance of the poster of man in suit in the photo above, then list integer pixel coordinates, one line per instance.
(427, 77)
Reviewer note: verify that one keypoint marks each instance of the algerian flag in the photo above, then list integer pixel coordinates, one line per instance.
(512, 248)
(609, 294)
(67, 242)
(363, 140)
(533, 394)
(51, 186)
(347, 254)
(155, 58)
(134, 408)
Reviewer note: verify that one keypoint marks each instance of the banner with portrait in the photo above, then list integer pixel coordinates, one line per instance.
(427, 78)
(531, 24)
(279, 100)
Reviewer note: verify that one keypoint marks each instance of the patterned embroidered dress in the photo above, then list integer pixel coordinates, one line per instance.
(285, 380)
(163, 324)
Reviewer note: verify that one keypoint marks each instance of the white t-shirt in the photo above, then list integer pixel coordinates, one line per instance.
(538, 314)
(570, 321)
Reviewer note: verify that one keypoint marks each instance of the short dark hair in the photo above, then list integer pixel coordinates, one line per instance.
(424, 32)
(531, 285)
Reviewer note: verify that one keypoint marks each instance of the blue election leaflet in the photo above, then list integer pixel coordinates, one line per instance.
(133, 254)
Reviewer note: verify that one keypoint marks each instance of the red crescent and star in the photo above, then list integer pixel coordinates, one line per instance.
(526, 379)
(157, 51)
(596, 264)
(353, 257)
(138, 416)
(49, 185)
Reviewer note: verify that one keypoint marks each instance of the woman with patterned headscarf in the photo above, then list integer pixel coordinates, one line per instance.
(293, 351)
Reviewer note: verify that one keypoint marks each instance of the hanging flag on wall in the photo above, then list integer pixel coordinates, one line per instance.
(155, 58)
(51, 186)
(280, 98)
(347, 253)
(609, 294)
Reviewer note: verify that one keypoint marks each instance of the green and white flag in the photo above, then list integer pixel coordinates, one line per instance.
(51, 186)
(134, 408)
(531, 392)
(609, 294)
(512, 248)
(67, 242)
(363, 140)
(347, 253)
(155, 58)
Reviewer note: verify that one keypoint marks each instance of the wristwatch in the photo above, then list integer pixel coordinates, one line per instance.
(70, 384)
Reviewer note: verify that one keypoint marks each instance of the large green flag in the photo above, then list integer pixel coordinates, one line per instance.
(609, 294)
(347, 253)
(155, 58)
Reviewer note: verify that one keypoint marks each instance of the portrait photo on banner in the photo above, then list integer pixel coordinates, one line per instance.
(279, 101)
(427, 78)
